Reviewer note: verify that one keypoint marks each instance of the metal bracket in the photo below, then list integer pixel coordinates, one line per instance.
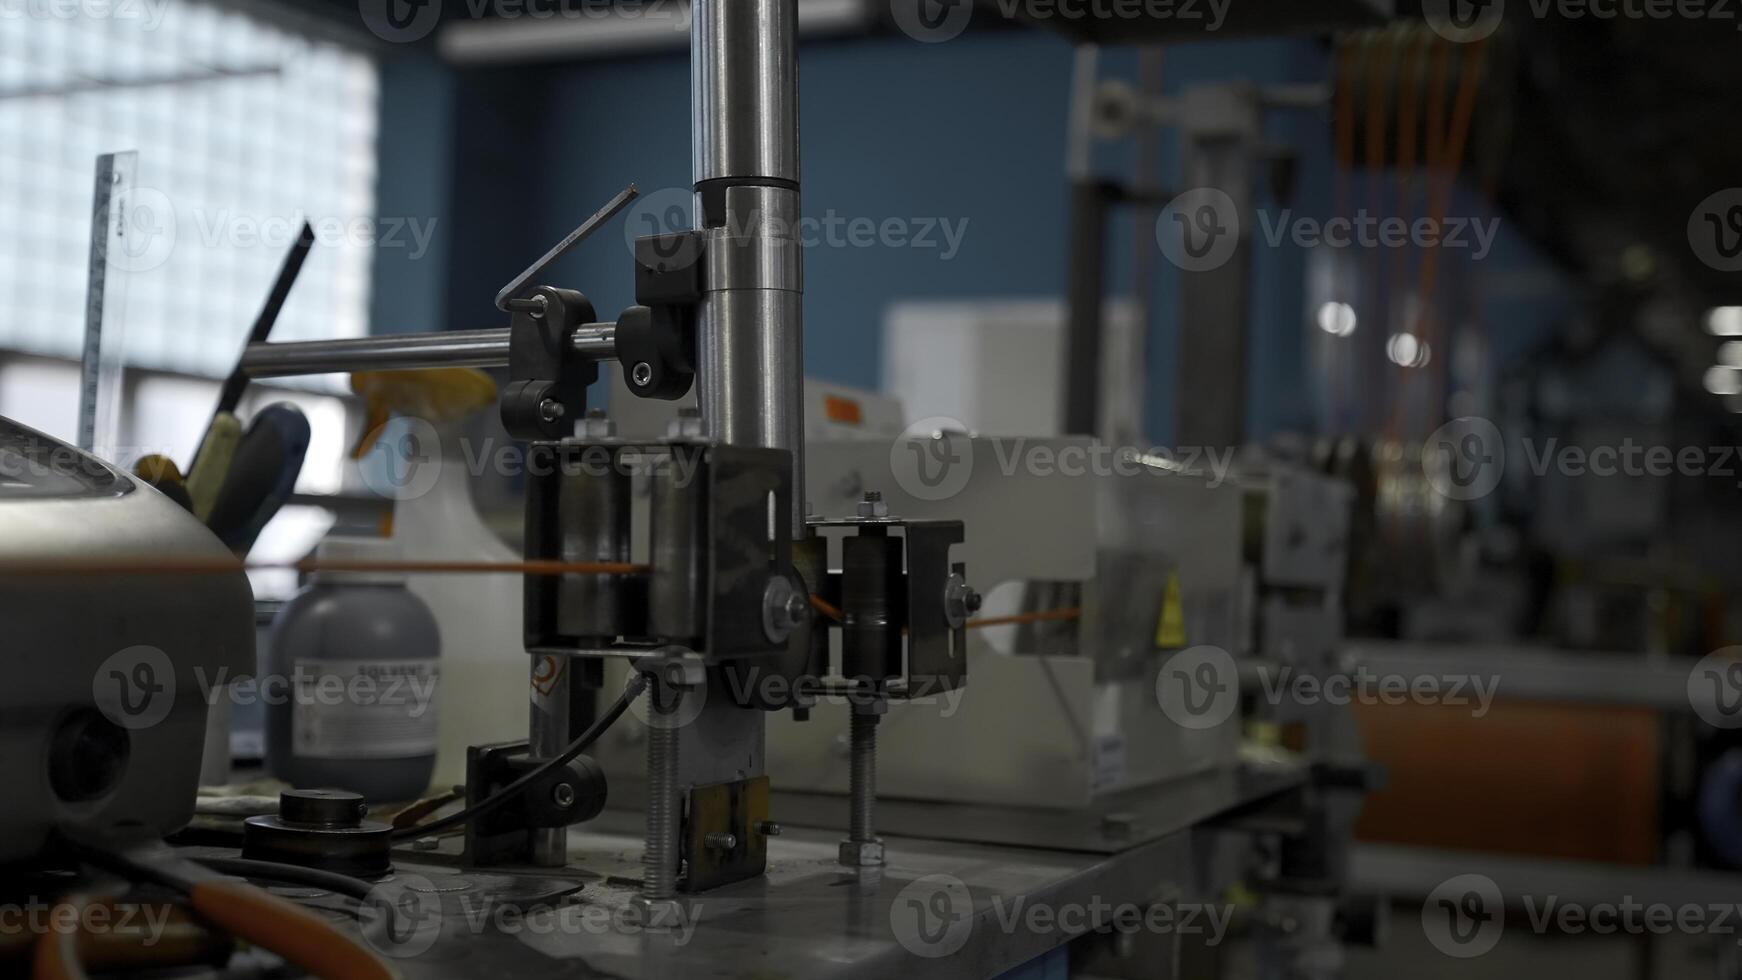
(572, 794)
(724, 834)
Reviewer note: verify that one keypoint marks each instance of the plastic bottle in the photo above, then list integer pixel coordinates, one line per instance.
(353, 679)
(486, 668)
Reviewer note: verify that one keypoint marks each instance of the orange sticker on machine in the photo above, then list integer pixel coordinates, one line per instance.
(843, 410)
(546, 674)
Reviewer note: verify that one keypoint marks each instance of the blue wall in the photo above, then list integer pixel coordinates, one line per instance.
(970, 130)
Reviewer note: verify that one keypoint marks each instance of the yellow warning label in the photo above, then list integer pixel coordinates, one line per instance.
(1170, 628)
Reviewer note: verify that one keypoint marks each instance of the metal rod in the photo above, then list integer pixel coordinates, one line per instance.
(659, 857)
(407, 352)
(749, 325)
(547, 736)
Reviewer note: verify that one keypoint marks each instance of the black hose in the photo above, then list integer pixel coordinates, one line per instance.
(631, 691)
(290, 874)
(295, 874)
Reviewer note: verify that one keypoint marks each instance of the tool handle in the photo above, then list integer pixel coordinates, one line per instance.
(212, 464)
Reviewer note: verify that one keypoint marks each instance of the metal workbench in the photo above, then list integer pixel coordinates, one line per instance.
(939, 908)
(808, 917)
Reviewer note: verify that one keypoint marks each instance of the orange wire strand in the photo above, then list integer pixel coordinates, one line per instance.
(1046, 615)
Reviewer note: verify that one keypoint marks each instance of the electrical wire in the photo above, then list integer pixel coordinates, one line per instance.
(631, 691)
(1041, 616)
(290, 874)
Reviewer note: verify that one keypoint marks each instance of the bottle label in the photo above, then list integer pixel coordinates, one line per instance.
(364, 709)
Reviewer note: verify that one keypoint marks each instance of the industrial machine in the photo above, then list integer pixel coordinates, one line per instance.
(703, 567)
(786, 604)
(108, 720)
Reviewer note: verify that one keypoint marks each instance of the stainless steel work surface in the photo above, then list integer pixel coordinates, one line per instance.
(937, 910)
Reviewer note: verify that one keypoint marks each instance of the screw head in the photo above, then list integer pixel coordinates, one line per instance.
(550, 409)
(783, 609)
(641, 374)
(563, 795)
(960, 601)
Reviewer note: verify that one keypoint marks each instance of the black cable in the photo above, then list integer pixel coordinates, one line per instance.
(631, 691)
(295, 874)
(289, 874)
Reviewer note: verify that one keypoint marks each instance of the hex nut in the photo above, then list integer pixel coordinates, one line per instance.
(666, 913)
(863, 705)
(862, 853)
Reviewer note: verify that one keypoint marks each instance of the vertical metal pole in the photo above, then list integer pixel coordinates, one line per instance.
(1210, 397)
(750, 344)
(547, 737)
(1085, 276)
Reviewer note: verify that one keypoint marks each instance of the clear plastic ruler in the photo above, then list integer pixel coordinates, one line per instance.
(114, 227)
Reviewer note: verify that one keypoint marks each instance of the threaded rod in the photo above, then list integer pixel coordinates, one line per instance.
(659, 857)
(863, 775)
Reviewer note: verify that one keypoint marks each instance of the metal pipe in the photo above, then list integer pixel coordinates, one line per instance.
(744, 78)
(744, 107)
(406, 352)
(547, 736)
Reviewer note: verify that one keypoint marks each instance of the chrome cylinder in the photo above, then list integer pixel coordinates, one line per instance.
(750, 344)
(744, 76)
(547, 736)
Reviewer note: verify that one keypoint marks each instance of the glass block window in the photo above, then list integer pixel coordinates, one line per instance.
(243, 129)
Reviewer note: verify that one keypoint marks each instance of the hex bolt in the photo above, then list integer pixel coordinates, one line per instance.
(960, 601)
(641, 374)
(563, 795)
(872, 505)
(659, 857)
(426, 844)
(720, 841)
